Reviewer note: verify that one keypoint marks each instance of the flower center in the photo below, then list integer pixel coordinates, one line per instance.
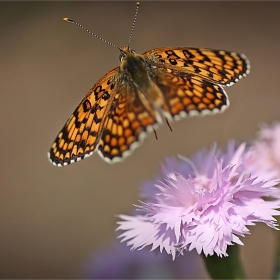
(203, 185)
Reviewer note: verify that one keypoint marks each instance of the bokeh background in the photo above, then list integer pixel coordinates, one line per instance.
(53, 219)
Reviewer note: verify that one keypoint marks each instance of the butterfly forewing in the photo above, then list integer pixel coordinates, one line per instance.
(219, 66)
(81, 134)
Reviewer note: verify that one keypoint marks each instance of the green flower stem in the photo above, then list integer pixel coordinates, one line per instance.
(276, 272)
(227, 267)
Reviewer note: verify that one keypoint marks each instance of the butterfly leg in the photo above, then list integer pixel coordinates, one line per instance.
(155, 133)
(168, 124)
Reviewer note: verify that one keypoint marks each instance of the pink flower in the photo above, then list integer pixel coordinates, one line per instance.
(204, 203)
(266, 149)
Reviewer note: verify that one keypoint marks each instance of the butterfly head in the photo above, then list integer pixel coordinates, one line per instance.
(125, 51)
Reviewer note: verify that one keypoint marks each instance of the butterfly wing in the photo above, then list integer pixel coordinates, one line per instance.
(129, 119)
(115, 115)
(80, 135)
(188, 94)
(219, 66)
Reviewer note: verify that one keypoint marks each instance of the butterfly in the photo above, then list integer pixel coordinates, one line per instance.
(134, 98)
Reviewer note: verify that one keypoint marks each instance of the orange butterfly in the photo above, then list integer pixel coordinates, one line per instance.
(133, 98)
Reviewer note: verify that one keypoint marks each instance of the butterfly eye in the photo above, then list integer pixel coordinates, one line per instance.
(121, 57)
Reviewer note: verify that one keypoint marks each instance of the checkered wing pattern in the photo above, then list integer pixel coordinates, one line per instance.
(81, 134)
(218, 66)
(128, 120)
(129, 101)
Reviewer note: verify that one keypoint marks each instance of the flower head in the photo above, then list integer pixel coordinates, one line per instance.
(204, 203)
(265, 153)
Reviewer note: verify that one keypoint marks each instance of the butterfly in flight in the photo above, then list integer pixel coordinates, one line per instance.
(133, 98)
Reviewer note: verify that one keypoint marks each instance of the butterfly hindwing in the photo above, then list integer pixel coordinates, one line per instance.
(128, 120)
(187, 94)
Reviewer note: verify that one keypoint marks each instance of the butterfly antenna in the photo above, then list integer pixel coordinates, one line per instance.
(134, 21)
(73, 21)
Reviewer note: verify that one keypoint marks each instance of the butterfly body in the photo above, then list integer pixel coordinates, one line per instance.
(140, 70)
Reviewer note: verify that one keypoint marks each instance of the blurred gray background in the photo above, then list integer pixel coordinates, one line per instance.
(52, 219)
